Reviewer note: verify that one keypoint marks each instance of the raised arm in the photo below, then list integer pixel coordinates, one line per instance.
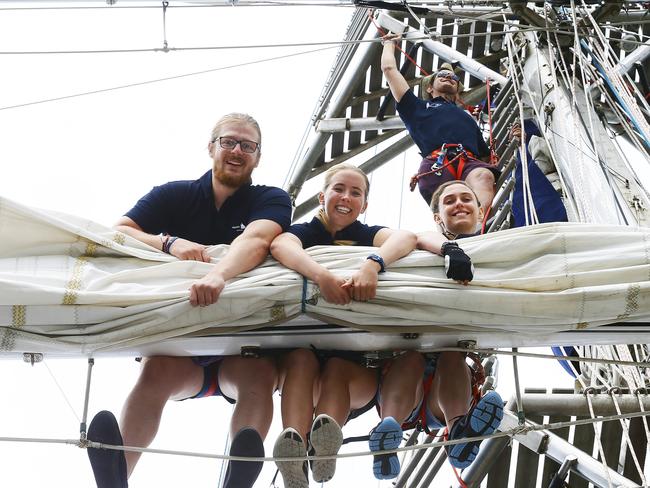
(246, 252)
(458, 265)
(392, 244)
(288, 250)
(396, 82)
(181, 248)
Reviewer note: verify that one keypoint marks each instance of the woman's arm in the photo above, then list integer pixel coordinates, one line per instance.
(458, 265)
(287, 249)
(393, 244)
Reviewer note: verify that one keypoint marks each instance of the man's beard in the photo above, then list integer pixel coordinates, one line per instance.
(232, 181)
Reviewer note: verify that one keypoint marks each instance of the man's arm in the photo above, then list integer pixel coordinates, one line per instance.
(287, 249)
(396, 82)
(181, 248)
(246, 252)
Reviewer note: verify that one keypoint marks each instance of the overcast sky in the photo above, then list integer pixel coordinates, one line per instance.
(95, 155)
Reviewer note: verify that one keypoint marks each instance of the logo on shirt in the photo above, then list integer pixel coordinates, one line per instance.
(238, 228)
(433, 104)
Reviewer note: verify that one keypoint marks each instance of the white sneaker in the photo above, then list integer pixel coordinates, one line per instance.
(325, 439)
(290, 444)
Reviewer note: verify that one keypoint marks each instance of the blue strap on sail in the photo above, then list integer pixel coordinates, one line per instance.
(548, 204)
(565, 351)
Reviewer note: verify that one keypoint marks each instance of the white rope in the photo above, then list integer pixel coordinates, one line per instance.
(608, 351)
(65, 397)
(530, 212)
(519, 430)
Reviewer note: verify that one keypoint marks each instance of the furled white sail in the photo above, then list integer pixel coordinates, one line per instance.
(73, 286)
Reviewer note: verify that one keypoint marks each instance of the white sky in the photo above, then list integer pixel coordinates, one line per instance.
(95, 155)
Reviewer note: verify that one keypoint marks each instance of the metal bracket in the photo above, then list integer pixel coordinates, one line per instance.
(32, 357)
(250, 352)
(469, 344)
(410, 335)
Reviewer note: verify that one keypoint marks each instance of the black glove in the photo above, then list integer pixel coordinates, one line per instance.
(458, 265)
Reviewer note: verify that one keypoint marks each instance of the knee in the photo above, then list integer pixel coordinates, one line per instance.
(481, 178)
(336, 369)
(260, 371)
(158, 369)
(301, 360)
(411, 362)
(161, 375)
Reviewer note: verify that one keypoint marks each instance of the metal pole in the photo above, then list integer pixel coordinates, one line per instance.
(407, 470)
(448, 54)
(368, 167)
(556, 448)
(84, 417)
(319, 139)
(576, 404)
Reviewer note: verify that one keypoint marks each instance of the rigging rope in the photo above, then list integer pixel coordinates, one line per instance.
(519, 430)
(158, 80)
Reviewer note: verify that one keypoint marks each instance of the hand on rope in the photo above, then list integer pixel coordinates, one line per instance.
(458, 265)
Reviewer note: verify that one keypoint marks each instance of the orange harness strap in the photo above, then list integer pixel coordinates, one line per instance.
(442, 161)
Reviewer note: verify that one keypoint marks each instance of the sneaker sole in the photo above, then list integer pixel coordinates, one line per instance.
(292, 472)
(485, 419)
(387, 435)
(242, 474)
(326, 439)
(108, 465)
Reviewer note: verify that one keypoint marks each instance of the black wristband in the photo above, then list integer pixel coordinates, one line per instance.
(167, 244)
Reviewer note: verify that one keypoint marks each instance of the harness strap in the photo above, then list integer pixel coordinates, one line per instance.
(443, 161)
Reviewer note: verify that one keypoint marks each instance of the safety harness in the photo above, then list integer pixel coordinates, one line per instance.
(440, 158)
(478, 378)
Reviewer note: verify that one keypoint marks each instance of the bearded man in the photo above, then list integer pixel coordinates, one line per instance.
(183, 218)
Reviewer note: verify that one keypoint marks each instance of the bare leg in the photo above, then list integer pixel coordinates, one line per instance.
(345, 386)
(298, 373)
(161, 378)
(251, 382)
(401, 388)
(451, 391)
(481, 180)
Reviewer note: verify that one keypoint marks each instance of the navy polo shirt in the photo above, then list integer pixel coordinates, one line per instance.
(186, 209)
(314, 234)
(432, 123)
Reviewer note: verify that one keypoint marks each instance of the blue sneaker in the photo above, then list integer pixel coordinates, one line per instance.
(387, 435)
(109, 465)
(482, 419)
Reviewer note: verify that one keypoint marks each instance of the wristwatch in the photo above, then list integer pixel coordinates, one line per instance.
(379, 260)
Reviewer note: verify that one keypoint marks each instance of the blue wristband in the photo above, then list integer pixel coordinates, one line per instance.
(379, 260)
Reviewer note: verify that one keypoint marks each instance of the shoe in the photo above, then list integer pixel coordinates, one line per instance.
(109, 465)
(242, 474)
(386, 436)
(290, 444)
(482, 419)
(325, 440)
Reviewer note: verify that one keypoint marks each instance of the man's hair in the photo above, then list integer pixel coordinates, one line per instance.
(235, 118)
(435, 199)
(341, 167)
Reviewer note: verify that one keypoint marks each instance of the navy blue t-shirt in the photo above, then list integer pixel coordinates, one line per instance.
(314, 234)
(432, 123)
(186, 209)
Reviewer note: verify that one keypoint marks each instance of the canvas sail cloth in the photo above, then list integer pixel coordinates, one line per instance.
(73, 286)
